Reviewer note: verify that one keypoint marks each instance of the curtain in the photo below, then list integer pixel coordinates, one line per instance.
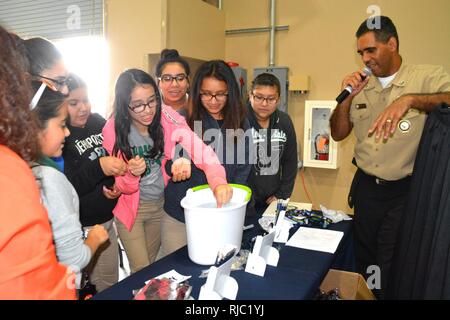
(421, 264)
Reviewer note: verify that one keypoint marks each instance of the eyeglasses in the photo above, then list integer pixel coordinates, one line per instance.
(152, 103)
(58, 84)
(220, 97)
(167, 78)
(261, 99)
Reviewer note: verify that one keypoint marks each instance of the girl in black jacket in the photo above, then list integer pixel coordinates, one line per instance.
(91, 171)
(216, 114)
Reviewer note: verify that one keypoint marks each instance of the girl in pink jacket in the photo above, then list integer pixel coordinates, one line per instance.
(144, 133)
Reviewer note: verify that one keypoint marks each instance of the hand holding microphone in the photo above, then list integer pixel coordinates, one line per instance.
(354, 83)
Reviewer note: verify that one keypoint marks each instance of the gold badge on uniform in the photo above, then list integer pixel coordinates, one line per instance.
(404, 126)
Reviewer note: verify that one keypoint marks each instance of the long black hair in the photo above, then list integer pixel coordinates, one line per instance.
(233, 111)
(127, 81)
(42, 55)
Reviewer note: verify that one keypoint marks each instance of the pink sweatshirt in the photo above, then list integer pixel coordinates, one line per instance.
(175, 130)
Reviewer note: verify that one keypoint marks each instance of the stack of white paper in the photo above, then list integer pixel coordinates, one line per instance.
(316, 239)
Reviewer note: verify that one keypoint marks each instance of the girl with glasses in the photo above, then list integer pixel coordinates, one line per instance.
(144, 132)
(172, 72)
(216, 111)
(46, 64)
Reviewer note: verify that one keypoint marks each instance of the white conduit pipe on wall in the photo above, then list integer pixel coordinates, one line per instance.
(272, 28)
(272, 34)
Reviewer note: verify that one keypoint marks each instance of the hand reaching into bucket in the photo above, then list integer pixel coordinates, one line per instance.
(223, 194)
(181, 169)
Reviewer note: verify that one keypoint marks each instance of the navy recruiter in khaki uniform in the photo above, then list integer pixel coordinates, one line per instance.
(387, 111)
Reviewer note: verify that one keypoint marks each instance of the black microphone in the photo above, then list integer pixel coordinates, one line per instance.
(348, 89)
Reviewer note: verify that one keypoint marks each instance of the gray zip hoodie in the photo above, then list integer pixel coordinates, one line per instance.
(62, 204)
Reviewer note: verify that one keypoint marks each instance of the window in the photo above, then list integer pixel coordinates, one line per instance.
(88, 57)
(52, 19)
(76, 28)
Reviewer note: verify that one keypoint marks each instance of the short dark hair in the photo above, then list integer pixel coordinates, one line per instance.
(170, 56)
(42, 55)
(383, 32)
(266, 80)
(75, 82)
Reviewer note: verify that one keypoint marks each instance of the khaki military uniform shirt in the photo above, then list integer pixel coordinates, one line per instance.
(393, 159)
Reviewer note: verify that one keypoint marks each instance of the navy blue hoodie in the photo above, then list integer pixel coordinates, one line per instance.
(236, 171)
(276, 166)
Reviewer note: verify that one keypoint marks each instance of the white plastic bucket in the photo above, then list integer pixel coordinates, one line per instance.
(209, 228)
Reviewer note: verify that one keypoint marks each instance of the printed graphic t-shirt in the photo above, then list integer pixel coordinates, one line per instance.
(151, 184)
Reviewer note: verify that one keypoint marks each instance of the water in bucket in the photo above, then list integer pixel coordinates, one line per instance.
(214, 205)
(209, 228)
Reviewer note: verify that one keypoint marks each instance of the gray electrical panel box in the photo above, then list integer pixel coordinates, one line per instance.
(241, 78)
(282, 73)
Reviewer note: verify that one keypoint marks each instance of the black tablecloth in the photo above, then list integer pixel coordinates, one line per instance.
(297, 276)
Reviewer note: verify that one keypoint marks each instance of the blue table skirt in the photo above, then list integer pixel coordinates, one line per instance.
(297, 276)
